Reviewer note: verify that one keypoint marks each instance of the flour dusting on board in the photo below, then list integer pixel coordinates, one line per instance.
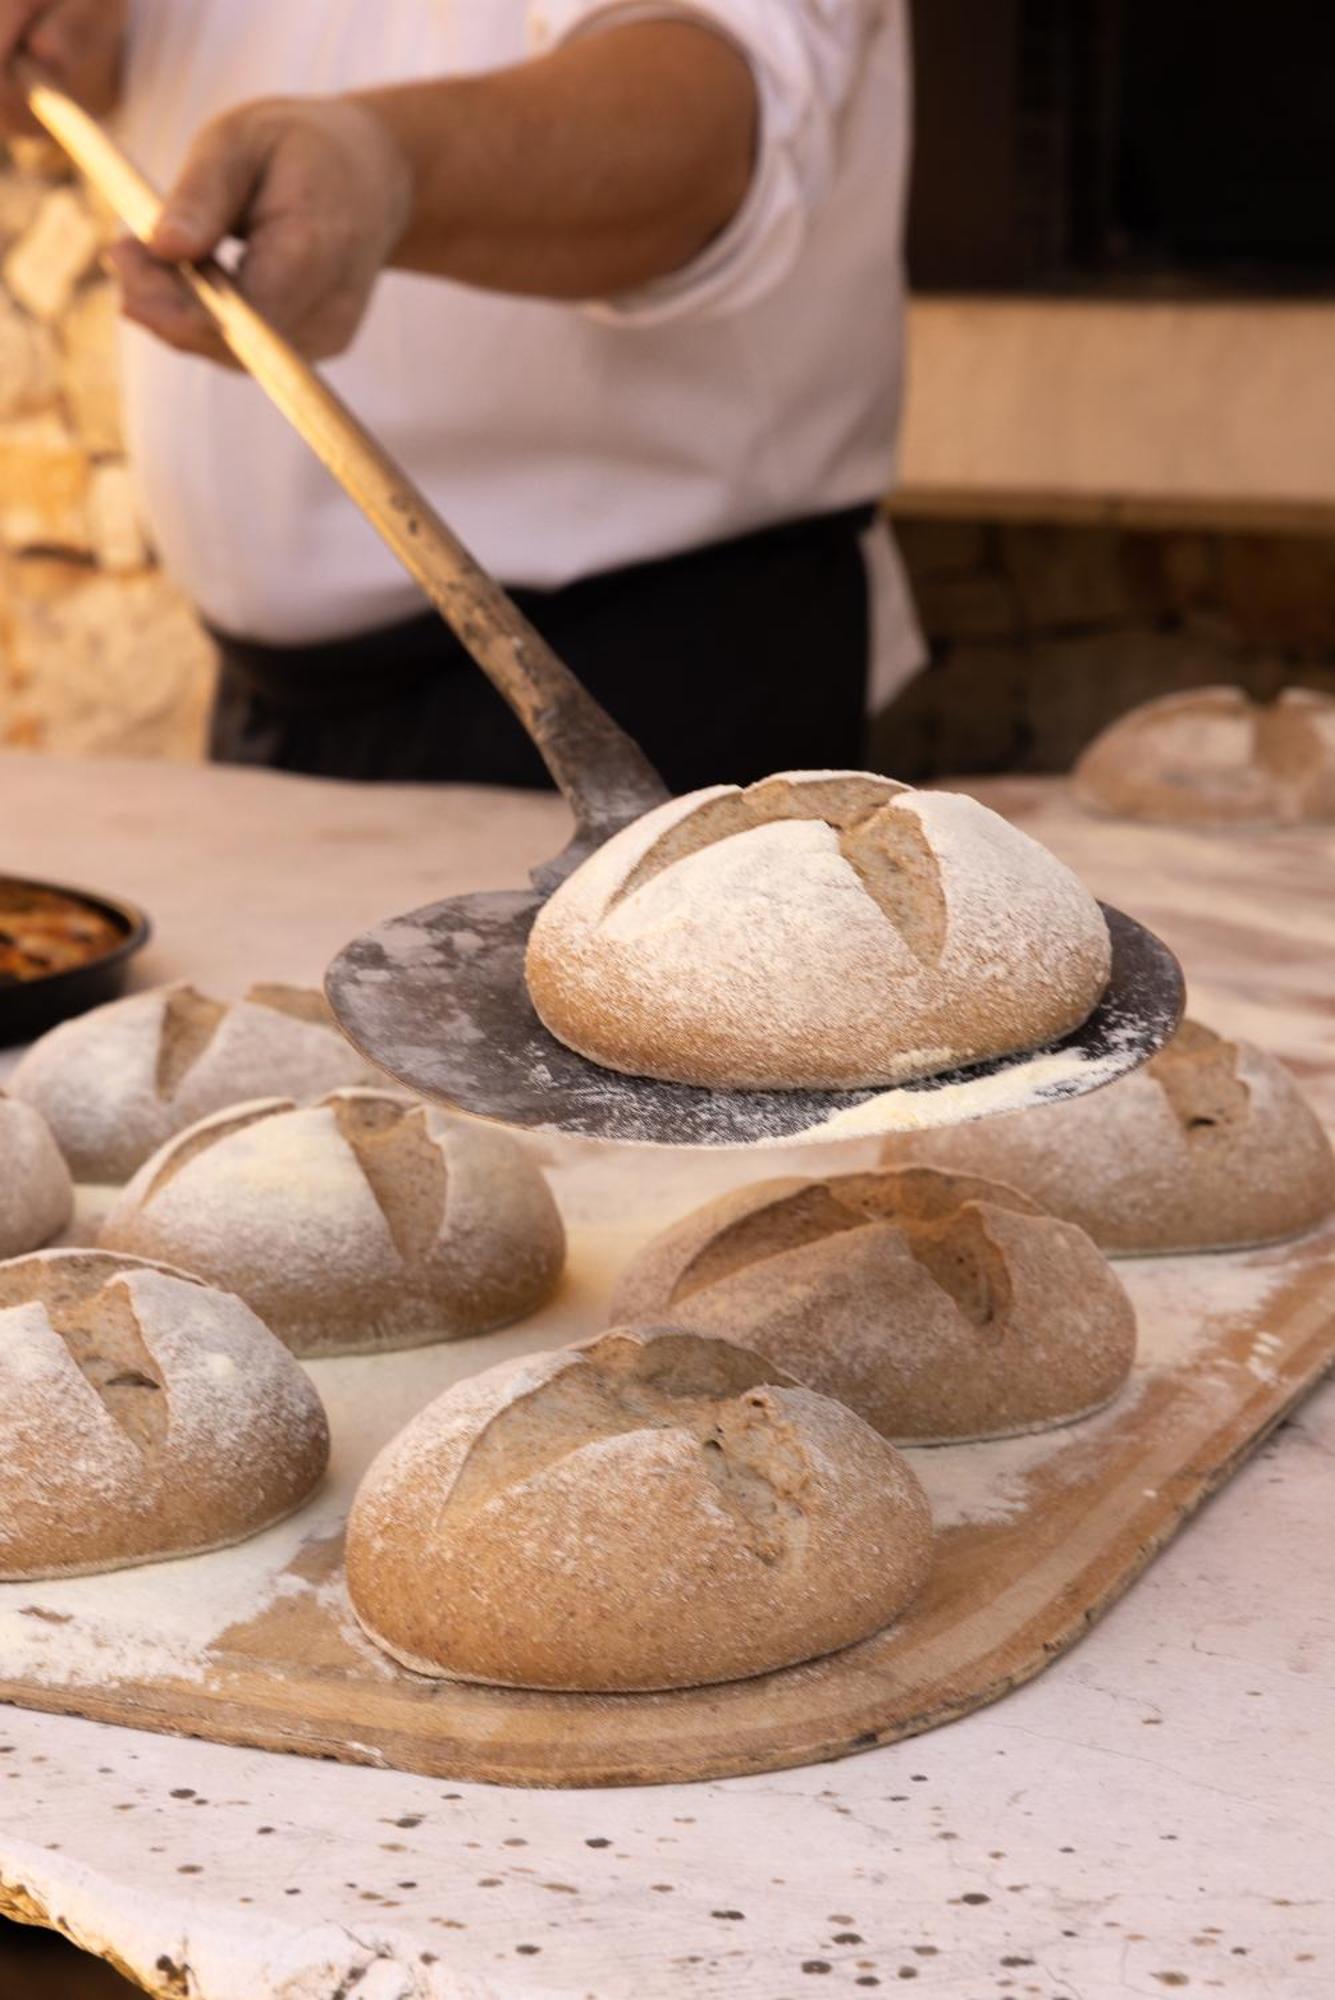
(1056, 1073)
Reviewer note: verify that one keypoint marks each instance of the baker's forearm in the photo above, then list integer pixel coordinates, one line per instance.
(611, 162)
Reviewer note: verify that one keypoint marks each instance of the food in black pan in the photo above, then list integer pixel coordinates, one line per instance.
(42, 931)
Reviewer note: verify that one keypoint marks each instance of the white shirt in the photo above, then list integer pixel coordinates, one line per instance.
(758, 385)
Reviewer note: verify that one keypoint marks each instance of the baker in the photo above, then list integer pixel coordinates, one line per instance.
(619, 283)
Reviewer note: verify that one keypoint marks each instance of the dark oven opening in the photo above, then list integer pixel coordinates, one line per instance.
(1141, 147)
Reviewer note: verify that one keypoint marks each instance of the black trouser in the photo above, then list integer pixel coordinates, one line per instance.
(724, 664)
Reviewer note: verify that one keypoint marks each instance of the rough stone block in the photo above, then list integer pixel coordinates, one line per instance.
(933, 547)
(966, 604)
(1279, 590)
(44, 479)
(1068, 578)
(91, 372)
(39, 157)
(20, 199)
(29, 363)
(113, 520)
(47, 262)
(117, 667)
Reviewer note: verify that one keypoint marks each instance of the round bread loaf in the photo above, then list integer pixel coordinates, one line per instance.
(938, 1307)
(820, 929)
(1214, 757)
(363, 1222)
(117, 1082)
(648, 1510)
(36, 1194)
(1209, 1147)
(142, 1415)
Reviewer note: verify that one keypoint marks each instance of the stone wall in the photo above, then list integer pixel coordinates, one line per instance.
(98, 654)
(1041, 634)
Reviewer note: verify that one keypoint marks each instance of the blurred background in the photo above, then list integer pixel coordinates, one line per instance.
(1118, 473)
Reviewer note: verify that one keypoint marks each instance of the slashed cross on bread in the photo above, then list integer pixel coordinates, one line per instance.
(1209, 1147)
(937, 1305)
(119, 1081)
(651, 1509)
(142, 1415)
(1213, 756)
(363, 1221)
(822, 930)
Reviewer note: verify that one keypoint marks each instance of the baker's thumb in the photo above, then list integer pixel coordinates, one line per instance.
(213, 190)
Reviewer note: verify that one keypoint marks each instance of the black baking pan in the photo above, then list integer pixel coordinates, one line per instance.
(28, 1007)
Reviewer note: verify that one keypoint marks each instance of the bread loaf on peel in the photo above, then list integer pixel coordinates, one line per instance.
(820, 929)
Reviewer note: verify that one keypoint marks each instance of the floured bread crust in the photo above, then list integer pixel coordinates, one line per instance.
(937, 1306)
(820, 929)
(116, 1083)
(142, 1415)
(36, 1194)
(364, 1222)
(1214, 757)
(1210, 1146)
(649, 1510)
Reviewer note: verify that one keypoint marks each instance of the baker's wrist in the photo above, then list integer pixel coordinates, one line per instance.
(422, 129)
(387, 161)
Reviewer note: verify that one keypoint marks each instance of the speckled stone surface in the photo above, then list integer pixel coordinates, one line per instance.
(1153, 1815)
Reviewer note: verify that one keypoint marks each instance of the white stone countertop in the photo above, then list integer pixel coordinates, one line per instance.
(1156, 1813)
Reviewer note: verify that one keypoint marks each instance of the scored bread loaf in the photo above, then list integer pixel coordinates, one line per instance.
(36, 1194)
(819, 929)
(1209, 1147)
(937, 1306)
(648, 1510)
(363, 1222)
(142, 1415)
(1213, 757)
(117, 1082)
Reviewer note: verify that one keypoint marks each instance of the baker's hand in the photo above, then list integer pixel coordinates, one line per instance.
(320, 194)
(78, 43)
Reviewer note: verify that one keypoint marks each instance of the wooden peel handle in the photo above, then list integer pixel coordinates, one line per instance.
(605, 777)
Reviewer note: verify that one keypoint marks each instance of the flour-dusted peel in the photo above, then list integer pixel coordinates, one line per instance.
(938, 1306)
(1210, 1146)
(360, 1223)
(1214, 757)
(649, 1510)
(142, 1415)
(118, 1082)
(824, 930)
(36, 1194)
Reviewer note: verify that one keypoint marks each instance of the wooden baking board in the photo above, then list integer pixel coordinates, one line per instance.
(1038, 1536)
